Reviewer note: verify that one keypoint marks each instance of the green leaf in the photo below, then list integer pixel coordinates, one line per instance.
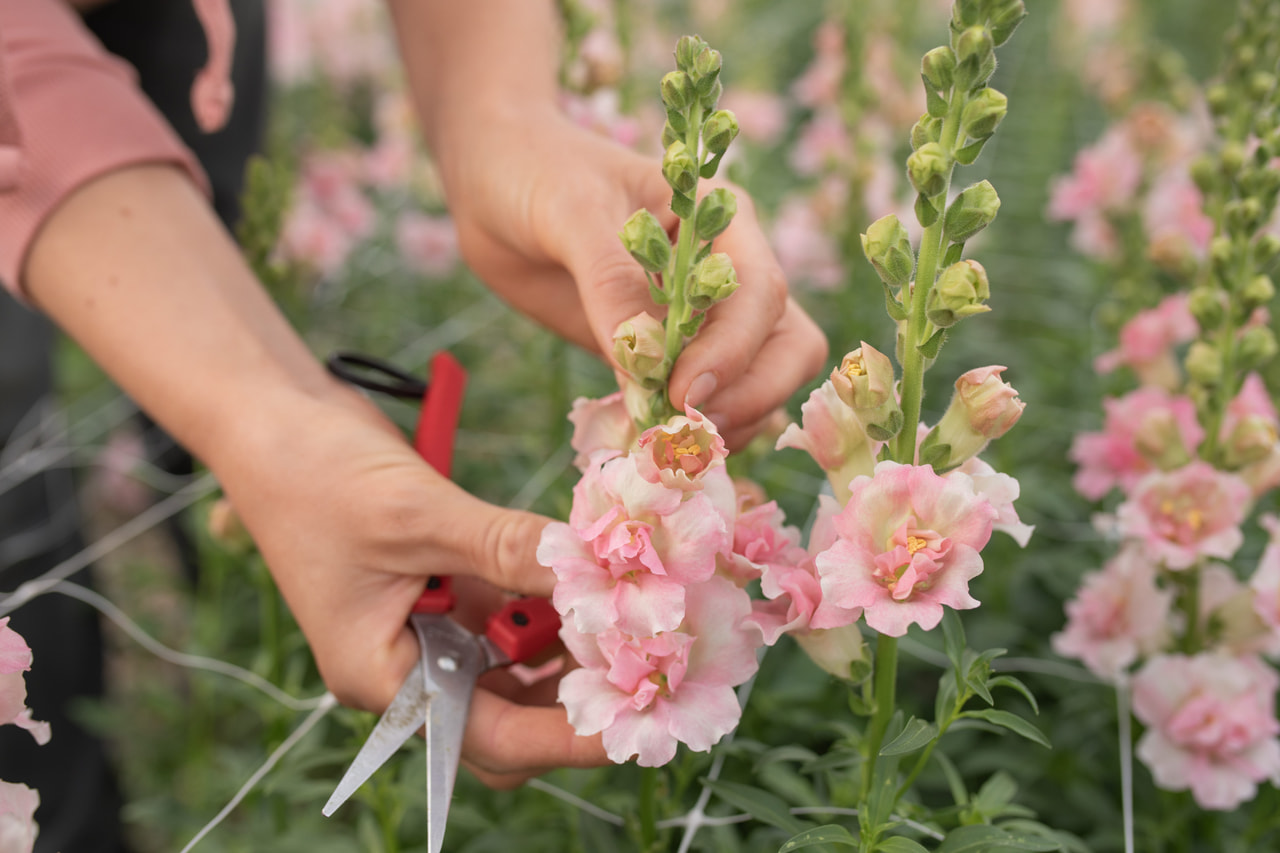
(703, 252)
(761, 805)
(790, 752)
(1065, 840)
(934, 103)
(959, 792)
(953, 256)
(1012, 722)
(682, 205)
(929, 349)
(899, 844)
(883, 795)
(1015, 684)
(996, 793)
(657, 294)
(983, 838)
(829, 834)
(916, 735)
(966, 155)
(892, 305)
(690, 327)
(937, 455)
(926, 213)
(944, 702)
(837, 758)
(953, 637)
(709, 168)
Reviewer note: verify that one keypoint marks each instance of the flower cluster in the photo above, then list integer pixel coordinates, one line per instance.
(1192, 450)
(17, 802)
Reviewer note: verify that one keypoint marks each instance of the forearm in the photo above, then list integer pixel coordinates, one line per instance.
(135, 267)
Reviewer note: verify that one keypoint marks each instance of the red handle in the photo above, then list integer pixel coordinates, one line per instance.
(523, 628)
(433, 439)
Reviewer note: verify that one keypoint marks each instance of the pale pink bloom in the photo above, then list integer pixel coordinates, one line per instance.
(600, 57)
(332, 180)
(600, 425)
(762, 116)
(388, 165)
(351, 40)
(15, 659)
(1142, 429)
(311, 237)
(1105, 178)
(819, 85)
(1118, 616)
(1095, 237)
(909, 543)
(983, 407)
(679, 452)
(1147, 341)
(790, 583)
(1265, 583)
(833, 437)
(428, 243)
(823, 142)
(1095, 18)
(762, 539)
(1185, 515)
(18, 829)
(625, 517)
(1174, 209)
(600, 111)
(805, 251)
(289, 48)
(646, 694)
(1249, 430)
(1000, 490)
(1211, 725)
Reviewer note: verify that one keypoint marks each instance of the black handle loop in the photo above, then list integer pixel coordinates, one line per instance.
(374, 374)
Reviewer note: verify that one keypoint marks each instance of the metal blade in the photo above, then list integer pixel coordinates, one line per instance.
(452, 660)
(407, 714)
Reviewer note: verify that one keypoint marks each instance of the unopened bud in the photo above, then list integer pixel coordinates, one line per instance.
(975, 57)
(646, 240)
(720, 128)
(984, 407)
(1242, 215)
(715, 212)
(1259, 291)
(966, 13)
(687, 49)
(1206, 305)
(1257, 347)
(1204, 173)
(711, 281)
(706, 75)
(677, 90)
(984, 112)
(1218, 97)
(1252, 439)
(1005, 18)
(927, 129)
(1232, 158)
(679, 168)
(927, 168)
(1221, 252)
(838, 651)
(1204, 363)
(961, 291)
(888, 248)
(1158, 439)
(972, 210)
(1261, 83)
(938, 67)
(639, 348)
(864, 382)
(1266, 249)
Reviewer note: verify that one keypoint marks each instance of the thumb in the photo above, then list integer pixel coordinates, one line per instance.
(500, 545)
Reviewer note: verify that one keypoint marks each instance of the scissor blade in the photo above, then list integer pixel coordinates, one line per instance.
(453, 660)
(406, 714)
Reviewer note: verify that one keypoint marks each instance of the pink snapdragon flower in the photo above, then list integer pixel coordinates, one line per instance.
(806, 252)
(1118, 616)
(999, 490)
(1250, 436)
(1144, 430)
(819, 85)
(1211, 726)
(680, 452)
(429, 244)
(15, 659)
(1147, 341)
(1265, 583)
(18, 829)
(1185, 515)
(823, 143)
(908, 543)
(600, 425)
(1105, 177)
(983, 407)
(1173, 216)
(647, 694)
(762, 116)
(833, 437)
(763, 541)
(330, 214)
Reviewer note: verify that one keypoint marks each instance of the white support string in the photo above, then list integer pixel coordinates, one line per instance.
(1124, 726)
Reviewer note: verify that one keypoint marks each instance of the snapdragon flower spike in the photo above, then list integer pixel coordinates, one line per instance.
(1183, 516)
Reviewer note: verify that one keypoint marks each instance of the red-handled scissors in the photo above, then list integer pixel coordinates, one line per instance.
(437, 691)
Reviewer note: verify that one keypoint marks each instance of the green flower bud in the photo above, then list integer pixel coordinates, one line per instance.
(711, 281)
(670, 136)
(646, 241)
(679, 168)
(888, 248)
(1204, 173)
(1206, 305)
(1218, 97)
(1005, 18)
(1261, 83)
(927, 129)
(1204, 363)
(1266, 249)
(1257, 347)
(972, 210)
(966, 13)
(938, 67)
(640, 350)
(706, 68)
(961, 291)
(1221, 251)
(1232, 158)
(720, 128)
(715, 212)
(677, 90)
(927, 168)
(975, 57)
(687, 50)
(984, 112)
(1259, 291)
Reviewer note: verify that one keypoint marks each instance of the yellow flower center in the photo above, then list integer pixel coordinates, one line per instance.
(1192, 517)
(854, 368)
(915, 543)
(685, 451)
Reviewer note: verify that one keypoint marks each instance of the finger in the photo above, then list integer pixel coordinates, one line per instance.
(735, 330)
(793, 353)
(503, 737)
(738, 437)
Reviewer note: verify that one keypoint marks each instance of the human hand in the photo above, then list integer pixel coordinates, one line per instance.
(351, 522)
(538, 220)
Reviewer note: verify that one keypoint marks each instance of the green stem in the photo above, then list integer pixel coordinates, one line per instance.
(647, 808)
(1189, 601)
(886, 682)
(1228, 386)
(931, 247)
(678, 313)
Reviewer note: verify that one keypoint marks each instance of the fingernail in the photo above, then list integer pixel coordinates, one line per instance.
(700, 390)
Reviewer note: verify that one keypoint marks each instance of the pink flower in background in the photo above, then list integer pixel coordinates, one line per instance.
(1118, 616)
(1105, 177)
(1173, 213)
(1147, 341)
(600, 425)
(1211, 725)
(1142, 429)
(819, 85)
(1265, 583)
(646, 694)
(679, 452)
(1095, 237)
(762, 116)
(833, 437)
(1250, 435)
(1184, 515)
(15, 659)
(823, 142)
(806, 252)
(429, 244)
(601, 111)
(18, 830)
(908, 544)
(114, 480)
(330, 213)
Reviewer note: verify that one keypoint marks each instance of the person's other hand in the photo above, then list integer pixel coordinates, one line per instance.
(539, 206)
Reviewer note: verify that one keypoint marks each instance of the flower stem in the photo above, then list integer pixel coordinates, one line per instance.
(678, 313)
(886, 682)
(647, 808)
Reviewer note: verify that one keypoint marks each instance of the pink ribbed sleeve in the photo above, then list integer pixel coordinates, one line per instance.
(69, 112)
